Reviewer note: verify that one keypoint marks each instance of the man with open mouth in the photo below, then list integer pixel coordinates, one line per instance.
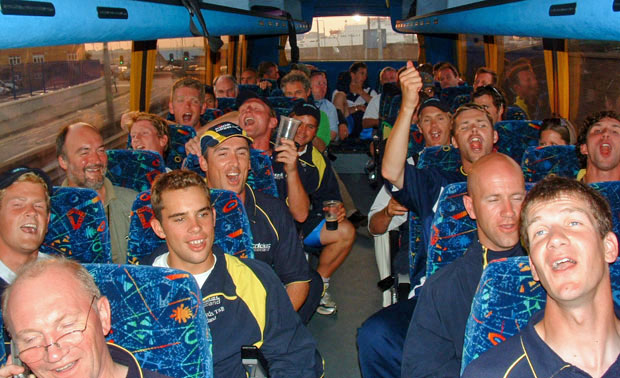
(568, 228)
(599, 148)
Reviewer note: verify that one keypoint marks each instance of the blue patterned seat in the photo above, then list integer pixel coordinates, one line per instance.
(3, 353)
(516, 136)
(539, 162)
(232, 227)
(506, 298)
(446, 158)
(78, 227)
(261, 176)
(227, 104)
(250, 87)
(514, 113)
(416, 141)
(452, 229)
(142, 239)
(282, 105)
(447, 95)
(179, 135)
(415, 245)
(209, 115)
(134, 169)
(157, 314)
(192, 163)
(611, 191)
(459, 100)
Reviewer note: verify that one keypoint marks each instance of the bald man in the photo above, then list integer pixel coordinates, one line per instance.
(434, 343)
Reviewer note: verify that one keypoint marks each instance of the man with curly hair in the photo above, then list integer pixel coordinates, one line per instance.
(599, 148)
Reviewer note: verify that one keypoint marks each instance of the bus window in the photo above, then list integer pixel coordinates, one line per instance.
(524, 79)
(43, 89)
(593, 67)
(354, 38)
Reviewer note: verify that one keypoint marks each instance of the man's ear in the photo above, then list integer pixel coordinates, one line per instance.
(62, 162)
(170, 108)
(583, 149)
(610, 242)
(203, 163)
(533, 269)
(157, 228)
(105, 314)
(163, 141)
(495, 136)
(203, 109)
(469, 206)
(273, 122)
(454, 142)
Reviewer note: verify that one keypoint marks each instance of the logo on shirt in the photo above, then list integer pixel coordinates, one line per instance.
(278, 176)
(262, 247)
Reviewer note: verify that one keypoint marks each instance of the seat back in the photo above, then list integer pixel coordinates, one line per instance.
(447, 95)
(514, 113)
(452, 229)
(193, 164)
(232, 227)
(611, 191)
(446, 158)
(179, 135)
(227, 104)
(282, 105)
(158, 315)
(539, 162)
(459, 100)
(78, 227)
(209, 115)
(506, 298)
(134, 169)
(516, 136)
(261, 176)
(142, 239)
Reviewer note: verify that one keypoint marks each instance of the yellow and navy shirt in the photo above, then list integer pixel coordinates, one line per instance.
(527, 355)
(246, 304)
(275, 238)
(124, 357)
(317, 177)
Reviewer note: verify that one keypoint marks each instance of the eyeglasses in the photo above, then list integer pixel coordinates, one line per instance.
(68, 340)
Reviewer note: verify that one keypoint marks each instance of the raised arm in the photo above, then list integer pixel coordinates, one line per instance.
(395, 156)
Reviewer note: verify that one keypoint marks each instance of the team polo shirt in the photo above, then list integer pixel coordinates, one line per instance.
(246, 304)
(124, 357)
(275, 238)
(434, 343)
(527, 355)
(317, 178)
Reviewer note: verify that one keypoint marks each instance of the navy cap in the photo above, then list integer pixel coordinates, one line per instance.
(220, 133)
(435, 103)
(9, 177)
(307, 108)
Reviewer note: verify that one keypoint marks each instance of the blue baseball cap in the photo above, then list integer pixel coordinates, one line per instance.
(220, 133)
(7, 178)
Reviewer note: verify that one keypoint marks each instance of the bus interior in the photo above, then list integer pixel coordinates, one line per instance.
(63, 61)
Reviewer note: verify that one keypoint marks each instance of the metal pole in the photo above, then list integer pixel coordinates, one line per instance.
(107, 79)
(318, 41)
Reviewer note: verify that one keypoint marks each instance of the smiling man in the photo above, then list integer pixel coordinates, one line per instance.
(599, 146)
(57, 300)
(24, 215)
(568, 227)
(81, 154)
(226, 161)
(149, 132)
(434, 343)
(245, 301)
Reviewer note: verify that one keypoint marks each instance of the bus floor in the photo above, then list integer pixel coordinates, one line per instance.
(353, 286)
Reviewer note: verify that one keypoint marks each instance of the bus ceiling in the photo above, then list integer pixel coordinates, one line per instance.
(585, 19)
(58, 22)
